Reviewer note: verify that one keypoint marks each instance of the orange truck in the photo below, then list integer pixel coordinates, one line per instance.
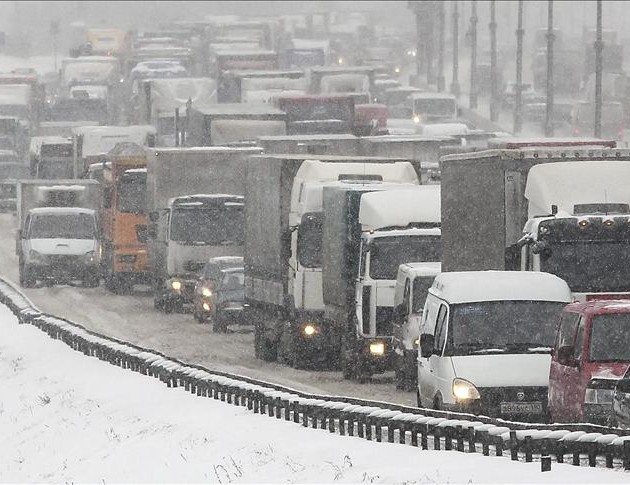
(124, 218)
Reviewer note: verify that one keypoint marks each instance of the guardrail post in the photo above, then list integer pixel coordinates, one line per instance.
(545, 457)
(626, 455)
(360, 427)
(402, 431)
(498, 446)
(368, 429)
(513, 446)
(560, 449)
(331, 422)
(436, 438)
(609, 452)
(304, 416)
(296, 411)
(527, 445)
(278, 408)
(471, 440)
(424, 436)
(390, 431)
(459, 430)
(342, 423)
(286, 405)
(576, 453)
(485, 445)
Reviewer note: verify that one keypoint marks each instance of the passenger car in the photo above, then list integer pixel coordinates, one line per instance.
(220, 292)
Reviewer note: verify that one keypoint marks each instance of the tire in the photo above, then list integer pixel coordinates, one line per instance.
(27, 279)
(263, 348)
(219, 323)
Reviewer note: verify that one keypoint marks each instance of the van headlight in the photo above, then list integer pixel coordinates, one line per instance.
(377, 348)
(464, 390)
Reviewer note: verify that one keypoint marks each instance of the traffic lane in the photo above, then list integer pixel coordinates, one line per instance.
(132, 318)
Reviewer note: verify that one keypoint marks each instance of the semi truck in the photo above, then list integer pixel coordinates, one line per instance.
(195, 200)
(124, 218)
(330, 144)
(58, 236)
(230, 86)
(369, 230)
(51, 157)
(232, 124)
(501, 211)
(283, 217)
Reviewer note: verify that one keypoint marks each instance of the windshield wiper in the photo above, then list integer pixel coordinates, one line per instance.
(530, 346)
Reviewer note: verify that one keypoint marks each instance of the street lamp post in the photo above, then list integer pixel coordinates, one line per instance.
(518, 102)
(550, 39)
(440, 75)
(473, 56)
(455, 24)
(599, 47)
(494, 112)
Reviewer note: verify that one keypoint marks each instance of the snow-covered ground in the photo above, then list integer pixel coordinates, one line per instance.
(65, 417)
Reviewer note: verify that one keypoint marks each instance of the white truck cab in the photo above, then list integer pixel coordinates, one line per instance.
(412, 285)
(485, 342)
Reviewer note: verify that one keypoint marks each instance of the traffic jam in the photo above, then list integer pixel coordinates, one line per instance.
(298, 184)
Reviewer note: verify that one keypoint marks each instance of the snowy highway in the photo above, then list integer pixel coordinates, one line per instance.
(132, 318)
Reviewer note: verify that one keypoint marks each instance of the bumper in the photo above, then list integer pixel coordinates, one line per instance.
(67, 269)
(180, 290)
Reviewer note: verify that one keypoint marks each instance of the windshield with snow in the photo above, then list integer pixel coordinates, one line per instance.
(208, 226)
(388, 253)
(63, 226)
(132, 193)
(502, 327)
(610, 338)
(438, 107)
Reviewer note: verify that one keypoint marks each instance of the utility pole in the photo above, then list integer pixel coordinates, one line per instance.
(494, 112)
(441, 82)
(550, 39)
(518, 102)
(428, 17)
(473, 56)
(455, 24)
(599, 47)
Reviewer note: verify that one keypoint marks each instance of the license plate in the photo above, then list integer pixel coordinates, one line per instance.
(521, 408)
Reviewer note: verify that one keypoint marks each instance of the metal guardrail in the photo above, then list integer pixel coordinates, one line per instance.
(583, 444)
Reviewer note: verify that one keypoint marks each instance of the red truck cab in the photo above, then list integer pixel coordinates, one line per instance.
(591, 352)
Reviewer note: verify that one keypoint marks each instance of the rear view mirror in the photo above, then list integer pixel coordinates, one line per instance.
(623, 385)
(427, 342)
(564, 356)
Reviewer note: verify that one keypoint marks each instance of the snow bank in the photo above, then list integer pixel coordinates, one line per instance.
(66, 417)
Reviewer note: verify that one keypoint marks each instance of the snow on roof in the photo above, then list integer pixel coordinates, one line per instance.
(62, 210)
(400, 207)
(239, 109)
(66, 188)
(478, 286)
(414, 270)
(445, 129)
(168, 94)
(38, 141)
(325, 137)
(568, 183)
(429, 95)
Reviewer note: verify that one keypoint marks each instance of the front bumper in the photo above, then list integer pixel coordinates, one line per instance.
(63, 267)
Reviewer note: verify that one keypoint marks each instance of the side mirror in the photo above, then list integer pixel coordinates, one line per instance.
(427, 342)
(152, 230)
(623, 385)
(565, 356)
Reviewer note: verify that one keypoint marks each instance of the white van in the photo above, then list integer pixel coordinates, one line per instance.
(485, 342)
(412, 284)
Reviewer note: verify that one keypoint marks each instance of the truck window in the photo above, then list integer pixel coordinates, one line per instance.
(212, 226)
(309, 247)
(510, 326)
(132, 194)
(440, 329)
(610, 338)
(388, 253)
(567, 327)
(579, 340)
(421, 285)
(63, 226)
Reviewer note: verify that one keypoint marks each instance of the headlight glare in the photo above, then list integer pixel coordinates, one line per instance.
(464, 390)
(206, 292)
(377, 348)
(309, 329)
(176, 285)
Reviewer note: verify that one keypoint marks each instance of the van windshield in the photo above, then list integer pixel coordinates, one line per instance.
(502, 327)
(63, 226)
(610, 338)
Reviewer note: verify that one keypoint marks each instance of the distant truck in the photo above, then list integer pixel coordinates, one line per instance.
(317, 114)
(342, 80)
(283, 248)
(230, 85)
(91, 143)
(155, 101)
(51, 157)
(369, 230)
(553, 209)
(195, 200)
(14, 135)
(124, 219)
(232, 124)
(58, 236)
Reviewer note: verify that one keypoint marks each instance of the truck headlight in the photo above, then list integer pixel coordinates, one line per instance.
(377, 348)
(464, 390)
(176, 285)
(600, 391)
(309, 329)
(206, 292)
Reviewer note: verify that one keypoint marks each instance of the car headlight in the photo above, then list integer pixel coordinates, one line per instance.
(176, 285)
(600, 391)
(206, 306)
(377, 348)
(417, 119)
(206, 292)
(464, 390)
(309, 329)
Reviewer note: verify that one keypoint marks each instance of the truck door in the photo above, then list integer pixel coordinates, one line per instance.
(430, 378)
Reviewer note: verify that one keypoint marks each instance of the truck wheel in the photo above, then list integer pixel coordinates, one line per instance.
(219, 323)
(263, 348)
(27, 279)
(92, 280)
